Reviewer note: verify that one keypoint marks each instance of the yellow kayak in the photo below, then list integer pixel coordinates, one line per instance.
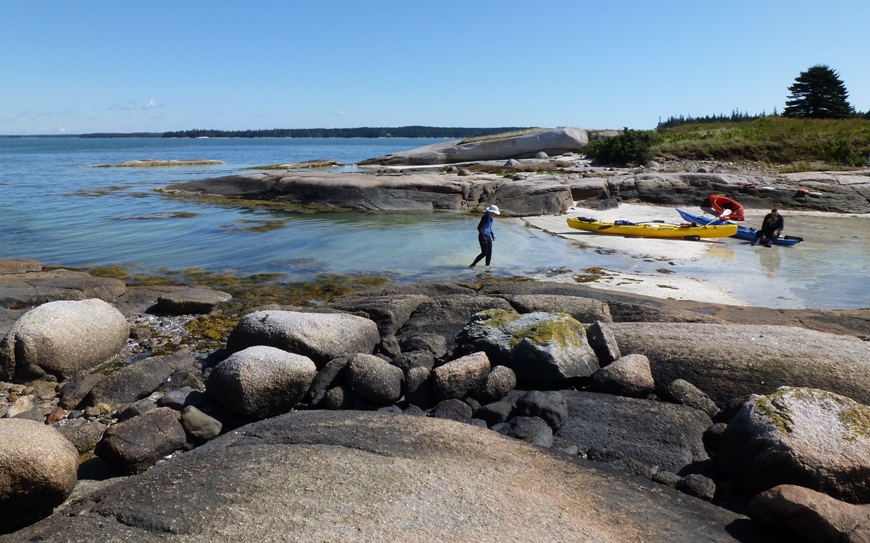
(653, 229)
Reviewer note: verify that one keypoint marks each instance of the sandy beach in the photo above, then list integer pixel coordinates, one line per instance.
(669, 286)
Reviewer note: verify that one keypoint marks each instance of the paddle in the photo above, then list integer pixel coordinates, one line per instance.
(725, 214)
(793, 237)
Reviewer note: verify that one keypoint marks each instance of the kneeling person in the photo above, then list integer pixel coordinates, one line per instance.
(771, 228)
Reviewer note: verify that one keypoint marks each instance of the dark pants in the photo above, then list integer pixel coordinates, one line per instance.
(765, 236)
(485, 249)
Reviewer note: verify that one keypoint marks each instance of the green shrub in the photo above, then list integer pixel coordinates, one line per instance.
(630, 147)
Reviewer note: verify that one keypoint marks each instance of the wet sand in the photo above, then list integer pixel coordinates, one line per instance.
(727, 270)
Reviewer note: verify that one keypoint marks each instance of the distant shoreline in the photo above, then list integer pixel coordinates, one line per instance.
(431, 132)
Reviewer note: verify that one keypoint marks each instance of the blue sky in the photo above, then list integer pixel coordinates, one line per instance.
(79, 67)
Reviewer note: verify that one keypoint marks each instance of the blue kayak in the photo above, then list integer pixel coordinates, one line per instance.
(743, 232)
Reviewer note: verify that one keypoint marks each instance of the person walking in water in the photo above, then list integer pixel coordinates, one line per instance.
(485, 235)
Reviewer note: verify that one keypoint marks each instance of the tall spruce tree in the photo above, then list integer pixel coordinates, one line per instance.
(818, 93)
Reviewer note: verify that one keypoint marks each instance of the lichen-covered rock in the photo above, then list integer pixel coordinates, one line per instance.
(63, 338)
(582, 309)
(37, 470)
(800, 436)
(260, 381)
(319, 336)
(541, 348)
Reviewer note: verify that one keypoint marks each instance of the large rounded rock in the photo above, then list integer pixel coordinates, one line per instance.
(319, 336)
(728, 361)
(800, 436)
(542, 348)
(63, 338)
(261, 381)
(553, 141)
(37, 470)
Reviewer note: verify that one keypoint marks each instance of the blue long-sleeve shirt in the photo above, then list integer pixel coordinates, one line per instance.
(484, 227)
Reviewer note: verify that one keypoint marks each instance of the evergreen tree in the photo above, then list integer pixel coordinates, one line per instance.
(818, 93)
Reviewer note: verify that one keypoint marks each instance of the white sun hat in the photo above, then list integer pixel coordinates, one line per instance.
(493, 209)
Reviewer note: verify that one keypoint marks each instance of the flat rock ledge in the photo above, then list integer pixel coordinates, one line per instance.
(526, 194)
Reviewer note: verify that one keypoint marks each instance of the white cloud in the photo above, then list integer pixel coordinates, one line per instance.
(151, 103)
(61, 129)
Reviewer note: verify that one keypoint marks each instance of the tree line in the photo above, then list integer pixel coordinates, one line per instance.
(362, 132)
(817, 93)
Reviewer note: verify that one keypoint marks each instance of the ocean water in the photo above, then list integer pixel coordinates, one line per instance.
(58, 208)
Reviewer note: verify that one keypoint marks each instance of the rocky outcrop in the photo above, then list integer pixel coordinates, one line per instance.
(37, 471)
(666, 436)
(390, 192)
(27, 289)
(63, 338)
(843, 195)
(348, 476)
(800, 436)
(729, 361)
(534, 193)
(500, 147)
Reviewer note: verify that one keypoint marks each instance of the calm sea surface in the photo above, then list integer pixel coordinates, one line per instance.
(56, 207)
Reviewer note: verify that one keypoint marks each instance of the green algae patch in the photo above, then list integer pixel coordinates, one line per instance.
(249, 225)
(247, 203)
(157, 216)
(209, 331)
(114, 271)
(104, 191)
(591, 275)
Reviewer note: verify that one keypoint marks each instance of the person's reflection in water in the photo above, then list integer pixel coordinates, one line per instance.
(770, 261)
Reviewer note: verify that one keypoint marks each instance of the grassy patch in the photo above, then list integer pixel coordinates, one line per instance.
(778, 140)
